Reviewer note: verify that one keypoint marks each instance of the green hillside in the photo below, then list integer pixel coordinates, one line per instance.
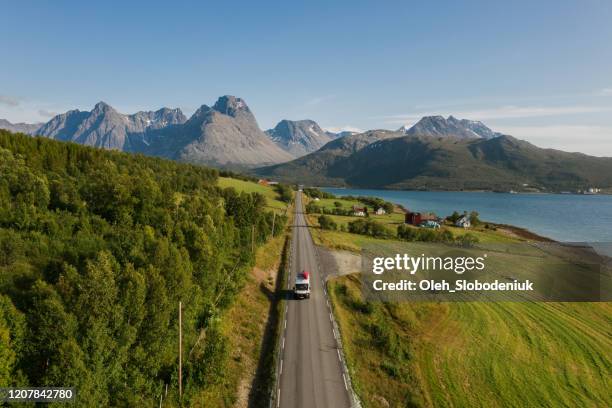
(446, 163)
(97, 248)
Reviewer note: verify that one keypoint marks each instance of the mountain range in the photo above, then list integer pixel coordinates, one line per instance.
(105, 127)
(435, 153)
(444, 154)
(224, 135)
(27, 128)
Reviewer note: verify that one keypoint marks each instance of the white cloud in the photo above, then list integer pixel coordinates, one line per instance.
(593, 140)
(47, 114)
(503, 112)
(9, 101)
(346, 128)
(319, 100)
(606, 92)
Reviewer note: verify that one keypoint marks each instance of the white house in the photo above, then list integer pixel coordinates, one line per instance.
(463, 222)
(380, 211)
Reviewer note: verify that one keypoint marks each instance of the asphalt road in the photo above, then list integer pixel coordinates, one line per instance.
(311, 374)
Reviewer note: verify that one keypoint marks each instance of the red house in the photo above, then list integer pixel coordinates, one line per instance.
(416, 218)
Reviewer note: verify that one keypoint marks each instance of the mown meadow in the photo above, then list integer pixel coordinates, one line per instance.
(504, 354)
(464, 354)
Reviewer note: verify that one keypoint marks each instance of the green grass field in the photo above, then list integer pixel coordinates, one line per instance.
(251, 187)
(472, 354)
(481, 354)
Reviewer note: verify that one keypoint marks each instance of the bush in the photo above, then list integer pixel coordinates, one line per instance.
(474, 219)
(285, 192)
(407, 233)
(316, 193)
(327, 223)
(468, 240)
(369, 227)
(454, 217)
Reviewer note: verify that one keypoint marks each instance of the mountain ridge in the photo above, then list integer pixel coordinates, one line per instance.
(434, 153)
(423, 161)
(224, 135)
(20, 127)
(438, 126)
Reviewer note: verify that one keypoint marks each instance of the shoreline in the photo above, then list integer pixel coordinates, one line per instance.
(605, 193)
(523, 232)
(520, 232)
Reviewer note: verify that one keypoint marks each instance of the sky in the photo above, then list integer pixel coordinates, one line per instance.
(540, 71)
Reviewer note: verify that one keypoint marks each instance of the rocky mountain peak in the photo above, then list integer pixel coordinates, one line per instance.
(438, 126)
(298, 137)
(230, 105)
(102, 107)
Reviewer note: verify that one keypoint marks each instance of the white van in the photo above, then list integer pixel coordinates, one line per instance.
(302, 285)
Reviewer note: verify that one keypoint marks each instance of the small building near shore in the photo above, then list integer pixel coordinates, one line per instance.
(266, 182)
(416, 218)
(463, 222)
(380, 211)
(359, 211)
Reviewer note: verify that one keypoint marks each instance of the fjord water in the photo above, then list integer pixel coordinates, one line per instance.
(562, 217)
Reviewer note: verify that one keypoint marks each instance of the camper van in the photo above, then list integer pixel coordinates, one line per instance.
(302, 285)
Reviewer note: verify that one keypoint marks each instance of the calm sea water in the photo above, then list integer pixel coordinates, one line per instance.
(563, 217)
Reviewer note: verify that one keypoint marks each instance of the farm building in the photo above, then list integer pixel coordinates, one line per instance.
(359, 211)
(416, 218)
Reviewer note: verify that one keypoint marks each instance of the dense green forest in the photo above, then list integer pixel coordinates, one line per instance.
(97, 248)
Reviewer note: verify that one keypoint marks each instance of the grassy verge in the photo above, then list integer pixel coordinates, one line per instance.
(475, 354)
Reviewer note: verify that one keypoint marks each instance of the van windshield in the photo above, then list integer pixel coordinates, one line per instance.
(301, 286)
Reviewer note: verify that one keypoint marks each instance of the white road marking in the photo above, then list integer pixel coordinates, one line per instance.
(281, 368)
(283, 343)
(278, 398)
(285, 323)
(344, 378)
(330, 318)
(339, 358)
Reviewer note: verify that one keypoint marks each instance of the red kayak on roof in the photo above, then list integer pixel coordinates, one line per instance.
(305, 274)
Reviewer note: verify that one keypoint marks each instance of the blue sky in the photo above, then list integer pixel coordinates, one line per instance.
(541, 71)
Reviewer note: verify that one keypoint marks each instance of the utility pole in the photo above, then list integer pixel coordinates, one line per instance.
(253, 239)
(180, 370)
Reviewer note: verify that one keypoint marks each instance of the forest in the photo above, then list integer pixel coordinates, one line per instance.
(97, 248)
